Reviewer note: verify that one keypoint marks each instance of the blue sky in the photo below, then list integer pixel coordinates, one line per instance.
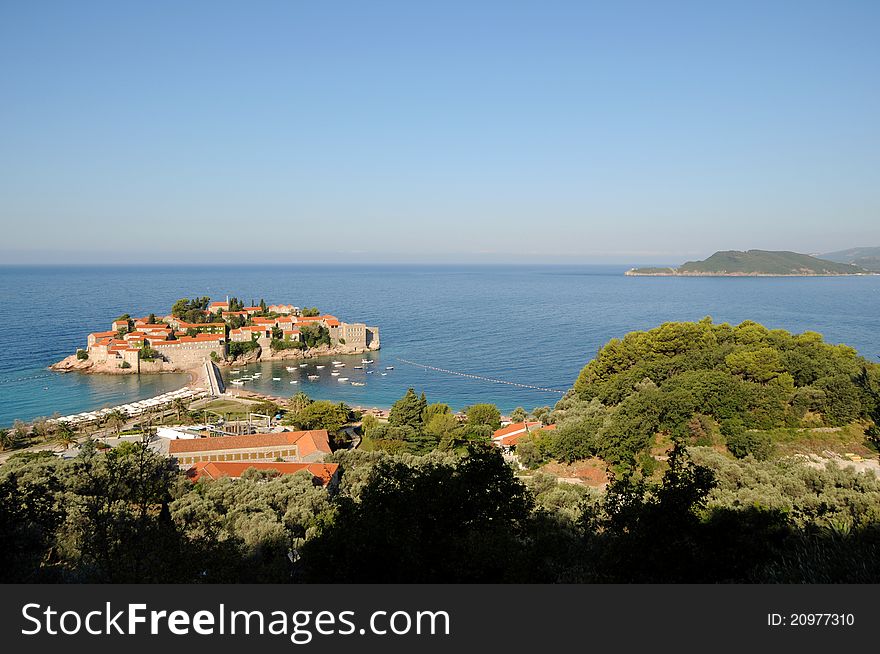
(436, 131)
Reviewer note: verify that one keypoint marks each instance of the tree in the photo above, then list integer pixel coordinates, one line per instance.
(426, 536)
(408, 411)
(179, 406)
(299, 402)
(518, 415)
(368, 423)
(310, 312)
(484, 414)
(321, 414)
(65, 436)
(116, 419)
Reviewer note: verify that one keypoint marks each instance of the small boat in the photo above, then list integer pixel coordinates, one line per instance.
(366, 361)
(294, 382)
(358, 384)
(276, 378)
(337, 363)
(335, 374)
(236, 372)
(358, 367)
(237, 382)
(314, 377)
(343, 379)
(291, 369)
(320, 367)
(384, 374)
(303, 365)
(370, 372)
(389, 367)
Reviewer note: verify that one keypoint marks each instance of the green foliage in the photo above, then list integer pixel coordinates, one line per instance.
(426, 536)
(146, 353)
(125, 365)
(690, 379)
(321, 414)
(277, 344)
(82, 355)
(518, 414)
(238, 349)
(484, 414)
(408, 411)
(310, 312)
(314, 335)
(191, 310)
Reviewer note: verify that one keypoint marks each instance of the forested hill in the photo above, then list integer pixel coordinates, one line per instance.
(867, 258)
(755, 263)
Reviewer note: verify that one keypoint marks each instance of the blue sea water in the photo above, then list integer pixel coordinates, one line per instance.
(534, 325)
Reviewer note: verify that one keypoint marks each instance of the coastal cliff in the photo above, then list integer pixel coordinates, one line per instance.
(73, 364)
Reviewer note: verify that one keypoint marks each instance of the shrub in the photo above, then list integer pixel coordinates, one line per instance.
(82, 355)
(744, 443)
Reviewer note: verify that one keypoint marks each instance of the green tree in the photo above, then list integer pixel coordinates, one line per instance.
(299, 402)
(322, 414)
(518, 414)
(484, 414)
(408, 411)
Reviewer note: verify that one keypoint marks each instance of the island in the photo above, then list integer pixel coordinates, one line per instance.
(755, 263)
(226, 332)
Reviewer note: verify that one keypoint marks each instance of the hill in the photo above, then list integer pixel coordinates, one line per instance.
(734, 263)
(745, 388)
(867, 258)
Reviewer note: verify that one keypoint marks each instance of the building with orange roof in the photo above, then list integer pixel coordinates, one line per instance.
(323, 474)
(507, 437)
(288, 446)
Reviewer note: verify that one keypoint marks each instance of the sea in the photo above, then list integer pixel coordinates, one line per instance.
(509, 335)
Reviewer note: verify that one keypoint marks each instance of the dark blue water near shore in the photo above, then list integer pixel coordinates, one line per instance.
(535, 325)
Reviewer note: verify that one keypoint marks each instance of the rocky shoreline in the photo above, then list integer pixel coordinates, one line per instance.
(86, 366)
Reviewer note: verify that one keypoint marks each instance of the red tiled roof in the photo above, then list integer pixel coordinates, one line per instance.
(511, 434)
(322, 472)
(103, 334)
(264, 321)
(182, 340)
(307, 442)
(196, 325)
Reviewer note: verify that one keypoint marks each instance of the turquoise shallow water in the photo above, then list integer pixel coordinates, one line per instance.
(534, 325)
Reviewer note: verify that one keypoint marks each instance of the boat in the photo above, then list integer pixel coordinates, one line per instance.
(358, 384)
(366, 361)
(276, 378)
(235, 372)
(384, 374)
(291, 369)
(237, 382)
(294, 382)
(320, 367)
(370, 372)
(336, 363)
(343, 379)
(314, 377)
(303, 365)
(335, 374)
(358, 367)
(389, 367)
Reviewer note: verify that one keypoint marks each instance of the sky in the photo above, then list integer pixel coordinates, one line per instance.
(549, 131)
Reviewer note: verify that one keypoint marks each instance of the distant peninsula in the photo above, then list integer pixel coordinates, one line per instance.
(755, 263)
(867, 258)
